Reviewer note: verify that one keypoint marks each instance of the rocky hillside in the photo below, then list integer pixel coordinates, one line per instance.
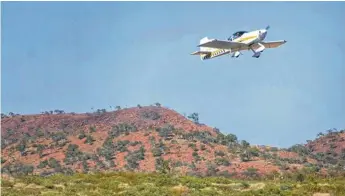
(151, 138)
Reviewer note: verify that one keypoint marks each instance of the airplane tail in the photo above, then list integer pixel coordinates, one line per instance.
(205, 49)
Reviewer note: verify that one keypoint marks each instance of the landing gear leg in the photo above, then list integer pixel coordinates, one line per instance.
(258, 51)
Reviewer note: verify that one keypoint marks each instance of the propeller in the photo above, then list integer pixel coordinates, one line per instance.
(268, 26)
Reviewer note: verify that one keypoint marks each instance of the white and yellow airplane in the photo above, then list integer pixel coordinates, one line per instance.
(239, 41)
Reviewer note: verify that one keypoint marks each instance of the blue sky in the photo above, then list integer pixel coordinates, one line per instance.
(78, 55)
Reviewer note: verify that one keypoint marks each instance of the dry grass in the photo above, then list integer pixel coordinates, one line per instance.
(160, 185)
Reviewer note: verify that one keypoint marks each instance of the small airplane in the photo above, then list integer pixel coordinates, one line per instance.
(239, 41)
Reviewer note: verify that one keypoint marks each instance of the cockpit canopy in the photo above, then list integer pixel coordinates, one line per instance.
(236, 35)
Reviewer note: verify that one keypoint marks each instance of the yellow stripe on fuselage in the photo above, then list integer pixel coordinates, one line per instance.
(241, 39)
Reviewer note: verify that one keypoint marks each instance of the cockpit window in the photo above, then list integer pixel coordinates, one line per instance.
(236, 35)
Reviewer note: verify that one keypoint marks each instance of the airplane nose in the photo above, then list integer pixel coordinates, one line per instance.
(263, 34)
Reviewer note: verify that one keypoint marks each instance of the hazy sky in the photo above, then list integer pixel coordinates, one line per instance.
(78, 55)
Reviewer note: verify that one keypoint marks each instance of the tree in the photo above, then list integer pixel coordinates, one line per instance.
(245, 144)
(59, 111)
(231, 137)
(3, 115)
(194, 117)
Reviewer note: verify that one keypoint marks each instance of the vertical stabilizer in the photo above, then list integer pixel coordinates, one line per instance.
(202, 41)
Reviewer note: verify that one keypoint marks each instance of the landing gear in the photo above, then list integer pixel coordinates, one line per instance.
(257, 52)
(236, 54)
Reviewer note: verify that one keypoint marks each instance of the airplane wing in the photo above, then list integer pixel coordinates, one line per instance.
(220, 44)
(200, 52)
(273, 44)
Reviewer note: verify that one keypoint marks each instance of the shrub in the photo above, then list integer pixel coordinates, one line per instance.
(245, 156)
(134, 143)
(151, 115)
(108, 149)
(122, 145)
(40, 149)
(300, 149)
(17, 169)
(53, 163)
(211, 169)
(162, 165)
(21, 146)
(165, 131)
(245, 185)
(89, 140)
(133, 157)
(226, 140)
(251, 172)
(122, 128)
(92, 129)
(58, 136)
(219, 153)
(43, 164)
(222, 161)
(202, 147)
(72, 154)
(82, 135)
(157, 152)
(39, 132)
(177, 164)
(254, 152)
(85, 166)
(300, 177)
(195, 154)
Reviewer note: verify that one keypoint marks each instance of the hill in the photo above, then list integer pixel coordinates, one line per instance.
(149, 139)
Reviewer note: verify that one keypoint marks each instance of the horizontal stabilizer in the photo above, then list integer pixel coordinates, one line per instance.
(201, 52)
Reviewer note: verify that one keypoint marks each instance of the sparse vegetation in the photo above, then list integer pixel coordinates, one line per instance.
(134, 157)
(151, 115)
(126, 140)
(164, 184)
